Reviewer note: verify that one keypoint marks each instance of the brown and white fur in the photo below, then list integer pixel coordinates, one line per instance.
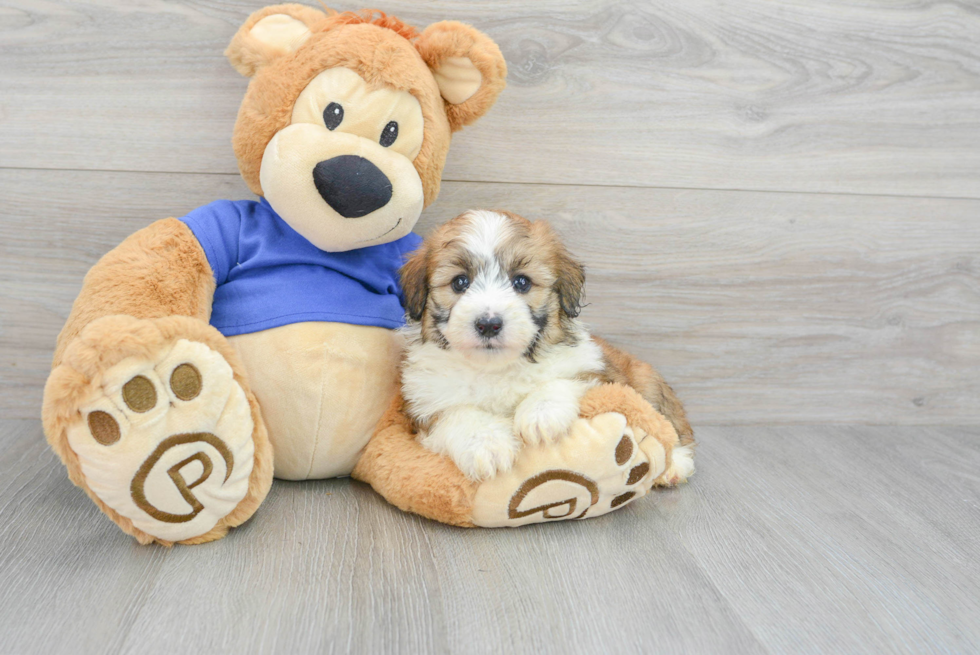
(495, 353)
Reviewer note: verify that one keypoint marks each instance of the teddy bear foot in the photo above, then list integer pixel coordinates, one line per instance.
(167, 444)
(165, 440)
(600, 466)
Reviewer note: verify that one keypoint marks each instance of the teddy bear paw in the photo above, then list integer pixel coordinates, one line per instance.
(167, 444)
(601, 465)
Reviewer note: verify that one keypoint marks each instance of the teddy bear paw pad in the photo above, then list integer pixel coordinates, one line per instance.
(602, 465)
(167, 443)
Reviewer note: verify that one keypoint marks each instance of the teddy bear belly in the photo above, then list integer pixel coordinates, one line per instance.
(322, 387)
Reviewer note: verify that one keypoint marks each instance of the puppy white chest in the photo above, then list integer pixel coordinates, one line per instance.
(435, 380)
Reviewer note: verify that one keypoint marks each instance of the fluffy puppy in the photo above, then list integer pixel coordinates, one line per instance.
(495, 353)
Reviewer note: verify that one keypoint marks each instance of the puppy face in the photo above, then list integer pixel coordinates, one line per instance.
(493, 286)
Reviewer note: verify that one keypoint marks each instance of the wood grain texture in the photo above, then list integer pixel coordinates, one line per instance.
(820, 96)
(758, 307)
(791, 539)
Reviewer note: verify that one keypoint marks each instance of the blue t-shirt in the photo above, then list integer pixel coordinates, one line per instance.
(268, 275)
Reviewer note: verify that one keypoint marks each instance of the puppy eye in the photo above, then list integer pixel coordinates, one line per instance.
(522, 284)
(333, 116)
(460, 283)
(389, 134)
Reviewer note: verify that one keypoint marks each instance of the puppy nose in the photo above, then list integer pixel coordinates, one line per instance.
(352, 185)
(489, 326)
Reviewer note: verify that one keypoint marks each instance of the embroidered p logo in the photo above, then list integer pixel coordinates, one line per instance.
(581, 488)
(202, 457)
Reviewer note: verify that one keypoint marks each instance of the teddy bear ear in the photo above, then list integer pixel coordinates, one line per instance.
(270, 33)
(468, 67)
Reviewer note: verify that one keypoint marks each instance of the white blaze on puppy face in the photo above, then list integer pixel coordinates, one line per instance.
(489, 260)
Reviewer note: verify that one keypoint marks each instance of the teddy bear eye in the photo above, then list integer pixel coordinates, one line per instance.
(460, 283)
(333, 116)
(522, 284)
(389, 134)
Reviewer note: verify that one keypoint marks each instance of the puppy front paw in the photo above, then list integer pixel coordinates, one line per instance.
(545, 421)
(486, 451)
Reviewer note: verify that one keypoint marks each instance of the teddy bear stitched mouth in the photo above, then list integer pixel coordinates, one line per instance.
(386, 232)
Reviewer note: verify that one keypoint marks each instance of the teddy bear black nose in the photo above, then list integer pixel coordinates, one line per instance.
(352, 185)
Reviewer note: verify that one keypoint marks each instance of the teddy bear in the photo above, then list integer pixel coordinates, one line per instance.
(207, 354)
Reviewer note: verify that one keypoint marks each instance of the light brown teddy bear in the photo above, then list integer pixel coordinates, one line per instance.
(246, 340)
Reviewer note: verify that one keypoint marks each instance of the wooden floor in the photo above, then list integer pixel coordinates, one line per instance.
(790, 540)
(778, 202)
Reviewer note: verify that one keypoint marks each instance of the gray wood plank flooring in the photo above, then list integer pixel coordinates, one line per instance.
(808, 539)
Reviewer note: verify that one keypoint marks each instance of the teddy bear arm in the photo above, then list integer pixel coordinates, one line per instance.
(158, 271)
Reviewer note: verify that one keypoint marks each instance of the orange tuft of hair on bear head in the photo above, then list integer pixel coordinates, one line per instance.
(375, 17)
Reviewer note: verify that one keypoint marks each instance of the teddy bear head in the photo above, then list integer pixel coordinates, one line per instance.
(348, 117)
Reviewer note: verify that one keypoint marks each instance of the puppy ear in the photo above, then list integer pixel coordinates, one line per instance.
(269, 34)
(415, 283)
(468, 67)
(569, 274)
(570, 284)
